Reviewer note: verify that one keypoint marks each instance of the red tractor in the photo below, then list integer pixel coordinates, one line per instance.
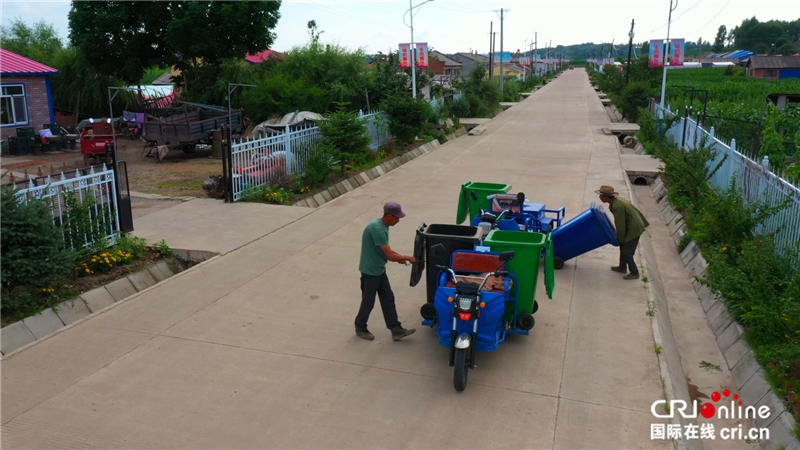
(97, 143)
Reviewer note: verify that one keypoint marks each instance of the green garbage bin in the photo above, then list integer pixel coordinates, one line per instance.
(528, 248)
(467, 207)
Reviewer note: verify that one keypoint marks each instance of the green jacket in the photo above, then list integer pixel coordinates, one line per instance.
(629, 221)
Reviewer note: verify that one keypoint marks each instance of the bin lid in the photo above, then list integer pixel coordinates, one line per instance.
(517, 238)
(549, 269)
(605, 222)
(418, 268)
(463, 204)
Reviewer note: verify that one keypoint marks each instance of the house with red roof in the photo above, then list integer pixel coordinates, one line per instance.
(26, 99)
(262, 56)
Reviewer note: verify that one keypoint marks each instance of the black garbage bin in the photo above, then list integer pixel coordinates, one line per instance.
(453, 237)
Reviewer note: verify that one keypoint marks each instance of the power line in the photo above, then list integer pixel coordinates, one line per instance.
(712, 19)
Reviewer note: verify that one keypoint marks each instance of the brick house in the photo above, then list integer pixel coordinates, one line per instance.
(26, 99)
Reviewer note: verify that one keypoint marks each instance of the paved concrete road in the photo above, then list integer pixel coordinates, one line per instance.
(256, 349)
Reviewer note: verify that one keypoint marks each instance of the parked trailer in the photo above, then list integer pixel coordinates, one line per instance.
(188, 124)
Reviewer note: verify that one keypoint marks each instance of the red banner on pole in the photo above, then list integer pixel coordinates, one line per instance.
(422, 54)
(405, 56)
(676, 58)
(655, 53)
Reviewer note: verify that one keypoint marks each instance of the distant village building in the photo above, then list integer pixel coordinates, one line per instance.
(773, 67)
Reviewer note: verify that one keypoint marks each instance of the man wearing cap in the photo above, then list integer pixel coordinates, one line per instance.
(630, 224)
(375, 252)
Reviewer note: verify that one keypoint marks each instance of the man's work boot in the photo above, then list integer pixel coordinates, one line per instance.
(365, 334)
(631, 276)
(619, 269)
(400, 332)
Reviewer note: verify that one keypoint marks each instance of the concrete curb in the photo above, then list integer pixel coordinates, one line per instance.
(747, 373)
(366, 176)
(30, 330)
(673, 377)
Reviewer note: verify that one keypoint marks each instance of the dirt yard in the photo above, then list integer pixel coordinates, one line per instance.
(178, 175)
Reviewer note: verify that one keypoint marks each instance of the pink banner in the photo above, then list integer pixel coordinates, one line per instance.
(422, 54)
(655, 53)
(676, 55)
(405, 56)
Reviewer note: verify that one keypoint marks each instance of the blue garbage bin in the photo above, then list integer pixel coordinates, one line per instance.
(591, 229)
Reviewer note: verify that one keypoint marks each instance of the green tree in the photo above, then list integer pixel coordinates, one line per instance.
(313, 31)
(719, 40)
(39, 42)
(344, 131)
(33, 252)
(122, 38)
(230, 29)
(310, 78)
(407, 116)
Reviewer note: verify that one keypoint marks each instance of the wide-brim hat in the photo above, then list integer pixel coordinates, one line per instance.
(607, 190)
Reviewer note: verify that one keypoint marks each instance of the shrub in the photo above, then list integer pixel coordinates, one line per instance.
(162, 248)
(407, 117)
(633, 97)
(319, 162)
(136, 246)
(33, 252)
(460, 107)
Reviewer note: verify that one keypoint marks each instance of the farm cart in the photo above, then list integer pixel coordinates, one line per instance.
(187, 124)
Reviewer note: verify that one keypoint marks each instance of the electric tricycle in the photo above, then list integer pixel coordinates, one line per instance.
(477, 301)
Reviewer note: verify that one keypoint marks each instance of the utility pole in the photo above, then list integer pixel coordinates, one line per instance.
(494, 49)
(630, 48)
(536, 45)
(524, 45)
(491, 48)
(664, 77)
(502, 16)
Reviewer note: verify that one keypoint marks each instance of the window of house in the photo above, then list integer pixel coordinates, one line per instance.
(13, 107)
(770, 73)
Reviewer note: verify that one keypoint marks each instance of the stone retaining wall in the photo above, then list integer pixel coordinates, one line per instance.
(748, 375)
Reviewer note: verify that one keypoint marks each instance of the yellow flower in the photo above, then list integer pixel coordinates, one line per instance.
(724, 248)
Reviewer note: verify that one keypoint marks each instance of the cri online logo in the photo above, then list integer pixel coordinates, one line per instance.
(708, 410)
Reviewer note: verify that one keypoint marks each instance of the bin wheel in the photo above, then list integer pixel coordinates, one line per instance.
(535, 307)
(525, 322)
(428, 311)
(558, 263)
(461, 369)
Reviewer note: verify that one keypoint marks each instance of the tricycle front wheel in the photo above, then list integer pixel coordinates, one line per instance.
(461, 369)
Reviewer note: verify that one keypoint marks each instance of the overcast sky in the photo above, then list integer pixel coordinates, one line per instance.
(457, 25)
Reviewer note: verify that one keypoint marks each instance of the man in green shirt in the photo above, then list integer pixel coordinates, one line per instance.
(375, 252)
(630, 224)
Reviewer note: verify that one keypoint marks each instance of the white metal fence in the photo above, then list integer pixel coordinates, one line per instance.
(265, 161)
(755, 181)
(86, 185)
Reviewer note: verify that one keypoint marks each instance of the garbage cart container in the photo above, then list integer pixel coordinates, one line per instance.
(527, 248)
(467, 207)
(453, 237)
(591, 229)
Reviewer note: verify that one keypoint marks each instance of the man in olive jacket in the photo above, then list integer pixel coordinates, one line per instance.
(630, 224)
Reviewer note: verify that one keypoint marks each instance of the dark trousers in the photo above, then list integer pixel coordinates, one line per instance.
(626, 252)
(371, 285)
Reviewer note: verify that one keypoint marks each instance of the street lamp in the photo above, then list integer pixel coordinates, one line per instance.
(410, 12)
(230, 91)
